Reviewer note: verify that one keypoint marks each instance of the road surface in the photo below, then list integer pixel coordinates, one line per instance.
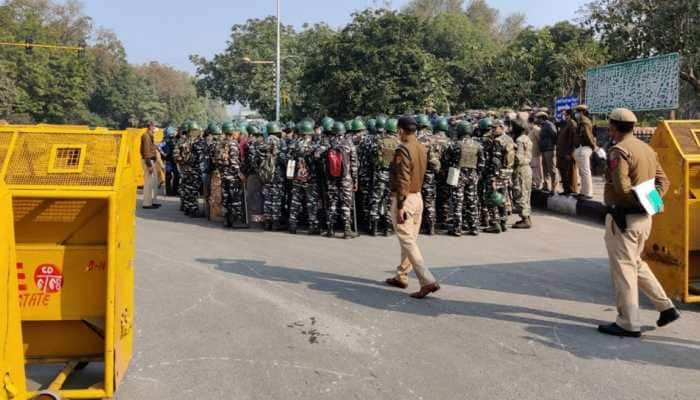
(227, 314)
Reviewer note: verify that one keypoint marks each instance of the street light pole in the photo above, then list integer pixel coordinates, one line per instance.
(277, 84)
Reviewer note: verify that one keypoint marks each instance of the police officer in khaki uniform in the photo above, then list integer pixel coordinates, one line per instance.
(627, 227)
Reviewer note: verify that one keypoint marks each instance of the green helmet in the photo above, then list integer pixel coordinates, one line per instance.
(497, 199)
(348, 126)
(227, 128)
(184, 127)
(338, 128)
(423, 121)
(214, 129)
(464, 128)
(372, 125)
(289, 126)
(193, 126)
(392, 125)
(327, 124)
(253, 130)
(273, 128)
(485, 124)
(357, 125)
(441, 125)
(380, 123)
(305, 127)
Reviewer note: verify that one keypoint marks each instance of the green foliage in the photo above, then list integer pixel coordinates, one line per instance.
(96, 87)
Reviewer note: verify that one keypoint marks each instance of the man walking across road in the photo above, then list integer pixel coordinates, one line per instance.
(627, 226)
(406, 181)
(148, 162)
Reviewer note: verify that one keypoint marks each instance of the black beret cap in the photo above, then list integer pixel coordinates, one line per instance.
(408, 123)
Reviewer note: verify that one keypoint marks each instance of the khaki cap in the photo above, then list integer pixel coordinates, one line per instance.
(581, 107)
(543, 109)
(526, 108)
(541, 114)
(622, 115)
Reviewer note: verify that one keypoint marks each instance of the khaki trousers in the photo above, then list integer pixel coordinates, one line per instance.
(150, 185)
(549, 171)
(411, 257)
(629, 272)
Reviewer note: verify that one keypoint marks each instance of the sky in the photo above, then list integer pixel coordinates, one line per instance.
(168, 31)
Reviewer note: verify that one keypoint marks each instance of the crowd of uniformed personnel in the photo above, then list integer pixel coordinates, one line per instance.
(335, 175)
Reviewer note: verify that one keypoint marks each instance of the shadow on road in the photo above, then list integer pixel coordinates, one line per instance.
(558, 331)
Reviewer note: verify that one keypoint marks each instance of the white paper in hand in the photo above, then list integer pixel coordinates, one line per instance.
(649, 197)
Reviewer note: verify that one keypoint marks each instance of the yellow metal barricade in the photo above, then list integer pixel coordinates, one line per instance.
(12, 380)
(73, 199)
(673, 250)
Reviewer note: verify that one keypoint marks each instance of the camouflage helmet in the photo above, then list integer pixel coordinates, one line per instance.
(372, 125)
(227, 128)
(253, 130)
(193, 126)
(357, 125)
(380, 123)
(485, 124)
(423, 121)
(214, 129)
(497, 199)
(464, 128)
(305, 127)
(392, 125)
(441, 125)
(273, 128)
(338, 128)
(327, 124)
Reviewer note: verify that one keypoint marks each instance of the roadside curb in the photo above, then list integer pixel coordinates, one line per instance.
(585, 209)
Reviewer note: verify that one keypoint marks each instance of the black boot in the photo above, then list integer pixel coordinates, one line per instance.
(228, 222)
(331, 231)
(373, 226)
(493, 229)
(455, 232)
(313, 230)
(431, 229)
(293, 229)
(348, 234)
(275, 226)
(504, 227)
(268, 225)
(524, 223)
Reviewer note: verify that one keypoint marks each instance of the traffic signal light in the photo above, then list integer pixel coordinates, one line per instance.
(29, 45)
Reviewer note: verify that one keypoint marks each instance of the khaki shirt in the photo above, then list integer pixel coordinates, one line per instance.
(148, 148)
(565, 140)
(631, 162)
(408, 169)
(584, 136)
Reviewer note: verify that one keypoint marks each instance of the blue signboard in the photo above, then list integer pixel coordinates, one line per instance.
(563, 103)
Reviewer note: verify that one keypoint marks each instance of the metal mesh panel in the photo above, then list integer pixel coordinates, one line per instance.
(31, 158)
(683, 131)
(22, 207)
(5, 139)
(61, 211)
(67, 158)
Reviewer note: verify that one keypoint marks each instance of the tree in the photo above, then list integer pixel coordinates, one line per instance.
(432, 8)
(230, 77)
(378, 63)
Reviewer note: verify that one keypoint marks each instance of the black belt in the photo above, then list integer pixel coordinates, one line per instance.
(619, 215)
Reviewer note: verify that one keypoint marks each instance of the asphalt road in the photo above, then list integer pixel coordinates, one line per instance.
(255, 315)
